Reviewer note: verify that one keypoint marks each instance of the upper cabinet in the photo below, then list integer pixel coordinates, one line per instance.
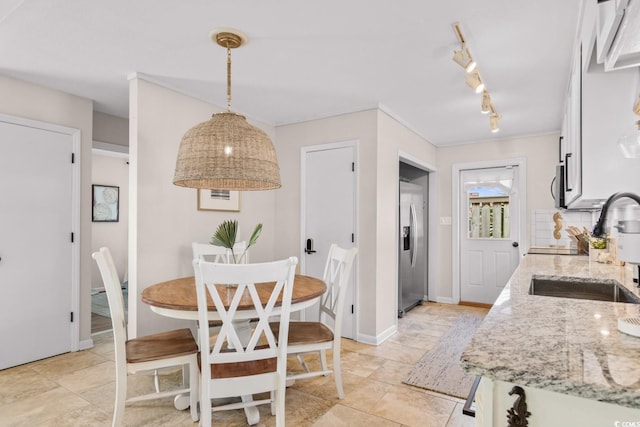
(598, 110)
(618, 33)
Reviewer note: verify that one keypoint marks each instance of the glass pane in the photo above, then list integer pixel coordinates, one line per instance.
(488, 213)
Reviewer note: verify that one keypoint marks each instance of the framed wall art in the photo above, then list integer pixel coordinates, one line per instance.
(218, 200)
(106, 203)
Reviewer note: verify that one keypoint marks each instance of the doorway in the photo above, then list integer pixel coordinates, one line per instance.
(329, 212)
(488, 229)
(110, 166)
(412, 237)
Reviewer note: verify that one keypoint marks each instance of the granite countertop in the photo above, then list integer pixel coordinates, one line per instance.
(563, 345)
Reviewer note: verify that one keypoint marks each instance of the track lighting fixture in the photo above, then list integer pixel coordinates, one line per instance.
(493, 122)
(463, 58)
(474, 81)
(486, 102)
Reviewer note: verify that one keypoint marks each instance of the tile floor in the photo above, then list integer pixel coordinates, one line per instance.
(77, 389)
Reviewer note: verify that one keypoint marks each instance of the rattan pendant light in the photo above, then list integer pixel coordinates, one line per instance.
(226, 152)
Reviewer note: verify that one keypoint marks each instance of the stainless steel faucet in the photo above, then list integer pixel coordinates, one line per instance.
(598, 229)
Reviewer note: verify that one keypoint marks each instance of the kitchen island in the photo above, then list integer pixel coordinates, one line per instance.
(568, 356)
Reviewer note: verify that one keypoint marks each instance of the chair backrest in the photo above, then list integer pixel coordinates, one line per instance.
(213, 253)
(233, 291)
(112, 285)
(337, 272)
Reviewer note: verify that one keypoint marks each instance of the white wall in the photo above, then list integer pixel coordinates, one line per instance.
(27, 100)
(380, 139)
(360, 126)
(109, 128)
(164, 219)
(393, 139)
(541, 154)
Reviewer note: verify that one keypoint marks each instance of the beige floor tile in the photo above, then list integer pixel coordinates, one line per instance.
(340, 415)
(412, 408)
(78, 389)
(87, 378)
(394, 351)
(40, 408)
(22, 382)
(391, 372)
(366, 395)
(59, 366)
(458, 419)
(86, 416)
(351, 345)
(360, 363)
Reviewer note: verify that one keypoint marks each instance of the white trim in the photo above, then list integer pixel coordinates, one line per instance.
(444, 300)
(354, 143)
(380, 338)
(87, 344)
(76, 137)
(456, 169)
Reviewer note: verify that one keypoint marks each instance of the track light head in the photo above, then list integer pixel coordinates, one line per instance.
(493, 122)
(474, 82)
(486, 103)
(463, 58)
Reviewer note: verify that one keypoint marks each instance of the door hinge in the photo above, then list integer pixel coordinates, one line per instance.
(352, 309)
(353, 167)
(72, 237)
(73, 157)
(353, 237)
(72, 317)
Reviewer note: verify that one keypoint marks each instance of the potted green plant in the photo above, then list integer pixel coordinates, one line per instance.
(226, 233)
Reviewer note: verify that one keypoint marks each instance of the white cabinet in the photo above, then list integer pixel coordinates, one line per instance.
(547, 408)
(598, 111)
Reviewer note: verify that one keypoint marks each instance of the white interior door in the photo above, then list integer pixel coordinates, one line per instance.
(489, 232)
(329, 215)
(36, 185)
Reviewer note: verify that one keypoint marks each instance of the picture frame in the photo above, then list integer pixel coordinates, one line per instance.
(105, 200)
(218, 200)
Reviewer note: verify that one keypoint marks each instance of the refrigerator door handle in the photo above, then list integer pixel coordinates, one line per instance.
(414, 227)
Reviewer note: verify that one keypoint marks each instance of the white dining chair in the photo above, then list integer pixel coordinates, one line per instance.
(148, 353)
(232, 365)
(325, 333)
(214, 253)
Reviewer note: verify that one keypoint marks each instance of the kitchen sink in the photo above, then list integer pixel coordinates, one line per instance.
(581, 288)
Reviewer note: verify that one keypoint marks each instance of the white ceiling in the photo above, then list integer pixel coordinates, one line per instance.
(308, 59)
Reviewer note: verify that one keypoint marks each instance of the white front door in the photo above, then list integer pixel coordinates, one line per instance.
(489, 231)
(329, 214)
(36, 211)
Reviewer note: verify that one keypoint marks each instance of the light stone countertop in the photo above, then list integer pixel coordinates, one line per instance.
(563, 345)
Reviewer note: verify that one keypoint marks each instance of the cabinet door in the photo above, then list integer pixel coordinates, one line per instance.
(573, 151)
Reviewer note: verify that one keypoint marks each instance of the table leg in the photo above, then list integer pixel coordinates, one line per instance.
(253, 415)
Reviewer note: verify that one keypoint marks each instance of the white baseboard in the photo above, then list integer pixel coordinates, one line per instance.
(85, 344)
(378, 339)
(444, 300)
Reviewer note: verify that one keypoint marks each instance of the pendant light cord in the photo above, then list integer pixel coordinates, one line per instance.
(228, 78)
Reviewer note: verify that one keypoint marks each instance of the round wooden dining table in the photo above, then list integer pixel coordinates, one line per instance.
(177, 298)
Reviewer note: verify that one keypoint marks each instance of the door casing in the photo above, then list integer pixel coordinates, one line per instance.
(456, 218)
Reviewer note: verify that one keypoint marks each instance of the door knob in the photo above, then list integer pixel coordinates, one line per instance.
(515, 244)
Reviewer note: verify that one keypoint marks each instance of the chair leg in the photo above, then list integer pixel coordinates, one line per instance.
(121, 400)
(302, 362)
(337, 372)
(194, 385)
(272, 396)
(205, 405)
(323, 361)
(280, 396)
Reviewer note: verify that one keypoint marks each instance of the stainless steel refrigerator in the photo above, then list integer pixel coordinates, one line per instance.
(411, 256)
